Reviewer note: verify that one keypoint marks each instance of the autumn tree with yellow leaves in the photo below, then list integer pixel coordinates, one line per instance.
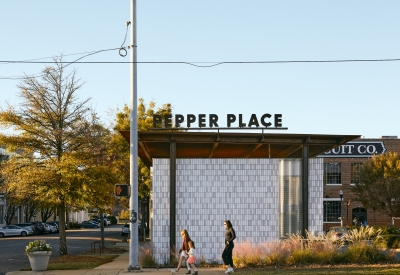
(62, 148)
(120, 147)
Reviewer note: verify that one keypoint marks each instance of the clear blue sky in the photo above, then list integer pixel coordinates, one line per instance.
(315, 98)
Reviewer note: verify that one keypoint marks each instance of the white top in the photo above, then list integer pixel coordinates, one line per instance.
(191, 252)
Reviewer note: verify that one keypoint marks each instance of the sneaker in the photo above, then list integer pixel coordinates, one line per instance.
(229, 270)
(195, 273)
(174, 270)
(188, 272)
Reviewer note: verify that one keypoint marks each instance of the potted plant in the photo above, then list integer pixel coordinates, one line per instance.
(38, 253)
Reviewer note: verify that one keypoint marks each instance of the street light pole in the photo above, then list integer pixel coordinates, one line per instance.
(341, 207)
(347, 219)
(133, 200)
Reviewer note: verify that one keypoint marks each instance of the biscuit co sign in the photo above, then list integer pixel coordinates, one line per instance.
(356, 149)
(211, 121)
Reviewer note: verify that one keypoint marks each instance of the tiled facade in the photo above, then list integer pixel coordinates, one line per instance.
(209, 191)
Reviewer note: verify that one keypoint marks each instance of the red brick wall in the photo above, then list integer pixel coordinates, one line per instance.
(332, 191)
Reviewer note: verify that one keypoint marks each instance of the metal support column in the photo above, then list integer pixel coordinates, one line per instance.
(304, 193)
(172, 198)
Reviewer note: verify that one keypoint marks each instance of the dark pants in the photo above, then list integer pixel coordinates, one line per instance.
(227, 254)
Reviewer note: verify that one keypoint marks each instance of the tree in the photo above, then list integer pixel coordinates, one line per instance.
(100, 173)
(379, 186)
(31, 208)
(50, 132)
(10, 212)
(46, 211)
(120, 148)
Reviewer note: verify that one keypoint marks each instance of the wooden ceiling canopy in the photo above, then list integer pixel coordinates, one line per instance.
(156, 144)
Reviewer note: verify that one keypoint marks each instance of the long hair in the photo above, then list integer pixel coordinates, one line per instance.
(185, 233)
(228, 223)
(192, 243)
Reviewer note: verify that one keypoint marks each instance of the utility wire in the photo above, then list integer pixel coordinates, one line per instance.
(122, 52)
(197, 64)
(42, 58)
(47, 62)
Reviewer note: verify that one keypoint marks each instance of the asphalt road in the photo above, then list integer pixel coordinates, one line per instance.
(12, 249)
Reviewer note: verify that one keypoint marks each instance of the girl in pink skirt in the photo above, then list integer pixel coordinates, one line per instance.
(192, 258)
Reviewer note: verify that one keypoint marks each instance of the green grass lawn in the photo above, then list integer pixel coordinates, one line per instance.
(71, 262)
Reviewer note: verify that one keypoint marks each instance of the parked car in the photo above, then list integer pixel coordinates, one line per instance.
(58, 224)
(38, 227)
(89, 224)
(53, 227)
(105, 221)
(13, 230)
(126, 231)
(337, 234)
(26, 225)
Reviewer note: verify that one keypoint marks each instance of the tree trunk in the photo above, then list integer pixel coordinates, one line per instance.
(63, 237)
(9, 214)
(46, 213)
(67, 216)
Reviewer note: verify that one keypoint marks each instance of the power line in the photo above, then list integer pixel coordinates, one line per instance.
(47, 62)
(41, 58)
(213, 63)
(122, 52)
(196, 64)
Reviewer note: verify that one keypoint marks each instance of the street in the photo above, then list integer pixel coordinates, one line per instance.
(12, 249)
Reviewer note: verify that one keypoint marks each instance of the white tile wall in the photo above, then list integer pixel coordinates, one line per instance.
(315, 195)
(209, 191)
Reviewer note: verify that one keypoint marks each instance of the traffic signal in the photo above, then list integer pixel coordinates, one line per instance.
(122, 190)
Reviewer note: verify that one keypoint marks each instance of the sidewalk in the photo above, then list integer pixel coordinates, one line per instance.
(119, 266)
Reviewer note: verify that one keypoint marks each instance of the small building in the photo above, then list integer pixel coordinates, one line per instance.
(268, 185)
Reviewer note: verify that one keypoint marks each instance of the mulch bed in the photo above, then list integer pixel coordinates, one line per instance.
(87, 257)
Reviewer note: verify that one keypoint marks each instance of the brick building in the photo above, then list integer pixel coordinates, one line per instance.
(341, 170)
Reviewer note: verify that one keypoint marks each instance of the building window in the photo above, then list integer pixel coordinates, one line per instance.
(332, 210)
(332, 173)
(355, 173)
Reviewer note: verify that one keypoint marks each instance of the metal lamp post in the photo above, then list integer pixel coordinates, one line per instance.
(341, 207)
(347, 219)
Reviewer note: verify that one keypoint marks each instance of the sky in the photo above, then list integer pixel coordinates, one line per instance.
(354, 98)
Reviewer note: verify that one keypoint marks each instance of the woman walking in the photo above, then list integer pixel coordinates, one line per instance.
(183, 251)
(230, 235)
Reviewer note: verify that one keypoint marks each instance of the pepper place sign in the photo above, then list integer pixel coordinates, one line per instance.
(356, 149)
(212, 121)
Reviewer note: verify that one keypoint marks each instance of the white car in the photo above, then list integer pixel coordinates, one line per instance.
(13, 230)
(51, 228)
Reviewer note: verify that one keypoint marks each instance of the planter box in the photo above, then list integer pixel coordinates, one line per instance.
(39, 260)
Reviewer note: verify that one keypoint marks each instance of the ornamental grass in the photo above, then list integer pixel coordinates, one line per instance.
(314, 250)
